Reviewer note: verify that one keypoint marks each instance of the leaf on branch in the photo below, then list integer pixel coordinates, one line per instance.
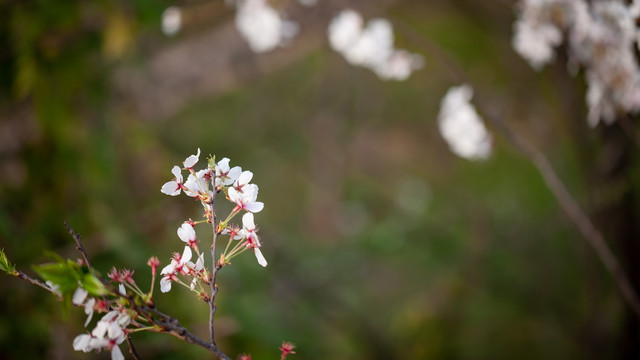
(68, 275)
(5, 265)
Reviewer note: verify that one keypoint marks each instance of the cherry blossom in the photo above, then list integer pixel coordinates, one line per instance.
(371, 46)
(461, 126)
(261, 25)
(176, 266)
(173, 187)
(171, 20)
(246, 199)
(225, 175)
(196, 186)
(108, 334)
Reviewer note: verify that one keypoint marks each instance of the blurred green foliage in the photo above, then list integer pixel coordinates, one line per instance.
(381, 244)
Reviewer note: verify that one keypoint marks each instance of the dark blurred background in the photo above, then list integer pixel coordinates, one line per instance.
(381, 243)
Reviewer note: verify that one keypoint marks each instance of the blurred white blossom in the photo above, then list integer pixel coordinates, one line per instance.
(601, 38)
(461, 126)
(261, 25)
(171, 20)
(371, 46)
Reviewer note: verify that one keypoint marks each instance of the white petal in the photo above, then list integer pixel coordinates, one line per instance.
(192, 160)
(123, 319)
(88, 309)
(186, 233)
(114, 331)
(247, 222)
(261, 260)
(254, 207)
(98, 343)
(244, 178)
(200, 263)
(170, 188)
(165, 284)
(177, 173)
(169, 269)
(186, 255)
(100, 329)
(116, 353)
(79, 295)
(223, 166)
(122, 290)
(82, 342)
(234, 195)
(234, 174)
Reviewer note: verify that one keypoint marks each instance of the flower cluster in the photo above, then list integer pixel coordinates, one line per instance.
(371, 46)
(461, 126)
(601, 37)
(110, 331)
(262, 26)
(203, 185)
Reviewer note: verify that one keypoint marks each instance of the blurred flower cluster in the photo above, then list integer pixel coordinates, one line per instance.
(601, 38)
(461, 126)
(371, 46)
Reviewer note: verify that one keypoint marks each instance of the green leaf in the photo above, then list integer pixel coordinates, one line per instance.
(93, 285)
(5, 265)
(61, 274)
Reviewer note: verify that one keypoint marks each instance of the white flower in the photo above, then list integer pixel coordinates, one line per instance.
(536, 41)
(176, 266)
(262, 27)
(173, 187)
(190, 161)
(171, 20)
(197, 185)
(344, 30)
(246, 199)
(224, 175)
(79, 296)
(122, 290)
(461, 126)
(371, 46)
(187, 234)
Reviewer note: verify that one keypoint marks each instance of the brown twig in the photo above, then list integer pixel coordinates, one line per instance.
(573, 211)
(132, 348)
(214, 287)
(79, 246)
(23, 276)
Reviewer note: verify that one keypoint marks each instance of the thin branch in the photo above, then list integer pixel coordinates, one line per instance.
(132, 349)
(23, 276)
(214, 288)
(79, 246)
(573, 211)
